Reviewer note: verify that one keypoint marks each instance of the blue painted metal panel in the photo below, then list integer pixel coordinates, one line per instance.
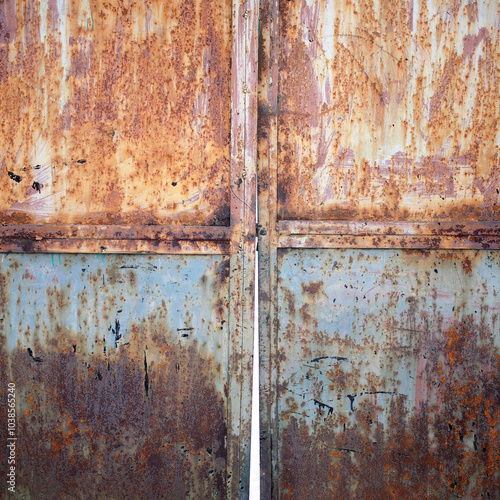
(389, 373)
(121, 369)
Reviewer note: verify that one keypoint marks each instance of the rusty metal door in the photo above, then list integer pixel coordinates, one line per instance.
(379, 206)
(127, 159)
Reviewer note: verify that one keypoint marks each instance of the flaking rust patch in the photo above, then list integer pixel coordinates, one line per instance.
(447, 444)
(148, 423)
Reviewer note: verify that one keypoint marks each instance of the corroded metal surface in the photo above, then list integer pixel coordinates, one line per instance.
(389, 374)
(121, 371)
(115, 113)
(116, 239)
(386, 109)
(379, 280)
(130, 128)
(389, 234)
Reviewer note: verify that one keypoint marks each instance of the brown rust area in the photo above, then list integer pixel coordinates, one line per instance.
(115, 239)
(446, 445)
(8, 21)
(120, 367)
(112, 232)
(312, 288)
(146, 422)
(115, 114)
(389, 241)
(86, 246)
(388, 110)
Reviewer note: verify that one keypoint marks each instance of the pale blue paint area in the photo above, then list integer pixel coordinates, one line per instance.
(176, 297)
(375, 308)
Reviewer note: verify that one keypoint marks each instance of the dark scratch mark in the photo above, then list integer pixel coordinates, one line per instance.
(338, 358)
(146, 376)
(37, 359)
(378, 392)
(321, 406)
(351, 398)
(116, 332)
(148, 267)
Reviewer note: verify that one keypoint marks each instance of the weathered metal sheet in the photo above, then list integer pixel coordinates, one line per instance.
(387, 110)
(116, 239)
(115, 112)
(378, 145)
(130, 128)
(121, 370)
(389, 374)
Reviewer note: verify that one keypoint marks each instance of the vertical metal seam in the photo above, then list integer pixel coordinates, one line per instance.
(267, 248)
(242, 255)
(275, 46)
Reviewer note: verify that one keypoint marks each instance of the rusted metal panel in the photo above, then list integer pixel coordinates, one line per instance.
(113, 232)
(385, 234)
(242, 259)
(383, 227)
(92, 246)
(389, 374)
(121, 371)
(387, 241)
(387, 109)
(379, 276)
(131, 128)
(115, 113)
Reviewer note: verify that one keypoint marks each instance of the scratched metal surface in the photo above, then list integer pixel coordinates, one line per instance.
(115, 112)
(388, 110)
(121, 371)
(389, 374)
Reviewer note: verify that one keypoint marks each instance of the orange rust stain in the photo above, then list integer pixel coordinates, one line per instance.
(312, 288)
(95, 415)
(115, 115)
(448, 449)
(467, 265)
(418, 84)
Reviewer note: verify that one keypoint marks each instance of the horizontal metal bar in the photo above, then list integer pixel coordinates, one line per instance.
(72, 245)
(390, 241)
(362, 228)
(115, 232)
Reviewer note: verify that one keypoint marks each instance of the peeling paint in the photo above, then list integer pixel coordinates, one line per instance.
(377, 120)
(112, 396)
(121, 112)
(388, 380)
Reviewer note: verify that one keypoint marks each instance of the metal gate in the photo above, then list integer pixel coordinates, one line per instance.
(379, 268)
(127, 161)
